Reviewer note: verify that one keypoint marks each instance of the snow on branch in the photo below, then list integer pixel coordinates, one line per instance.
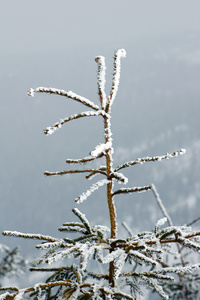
(74, 172)
(31, 236)
(69, 95)
(152, 283)
(101, 80)
(83, 160)
(70, 228)
(87, 193)
(147, 159)
(139, 256)
(83, 219)
(132, 190)
(101, 148)
(187, 269)
(116, 76)
(119, 177)
(54, 127)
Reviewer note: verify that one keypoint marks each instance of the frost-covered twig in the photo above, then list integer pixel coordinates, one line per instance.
(54, 127)
(74, 172)
(116, 76)
(30, 236)
(69, 95)
(87, 193)
(83, 160)
(83, 219)
(147, 159)
(101, 80)
(132, 190)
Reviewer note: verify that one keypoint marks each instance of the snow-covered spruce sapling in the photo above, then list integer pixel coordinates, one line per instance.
(123, 279)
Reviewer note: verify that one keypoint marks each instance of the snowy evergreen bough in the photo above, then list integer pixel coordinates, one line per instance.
(127, 264)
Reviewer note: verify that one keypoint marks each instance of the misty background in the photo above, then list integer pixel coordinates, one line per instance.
(53, 44)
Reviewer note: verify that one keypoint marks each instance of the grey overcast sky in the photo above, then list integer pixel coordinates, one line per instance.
(41, 25)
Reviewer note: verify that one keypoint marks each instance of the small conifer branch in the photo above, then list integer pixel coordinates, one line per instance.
(31, 236)
(74, 224)
(84, 160)
(69, 95)
(151, 274)
(123, 295)
(153, 241)
(53, 245)
(87, 193)
(54, 127)
(188, 243)
(101, 80)
(116, 76)
(187, 269)
(148, 159)
(73, 229)
(83, 219)
(22, 292)
(91, 175)
(74, 172)
(132, 190)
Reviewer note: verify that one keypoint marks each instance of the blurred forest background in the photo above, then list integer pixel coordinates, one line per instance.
(53, 44)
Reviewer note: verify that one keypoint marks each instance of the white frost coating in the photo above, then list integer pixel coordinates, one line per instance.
(101, 78)
(143, 257)
(59, 255)
(119, 264)
(31, 92)
(161, 222)
(82, 100)
(20, 295)
(52, 245)
(100, 148)
(111, 256)
(69, 94)
(101, 228)
(182, 151)
(54, 127)
(116, 75)
(120, 177)
(87, 193)
(86, 253)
